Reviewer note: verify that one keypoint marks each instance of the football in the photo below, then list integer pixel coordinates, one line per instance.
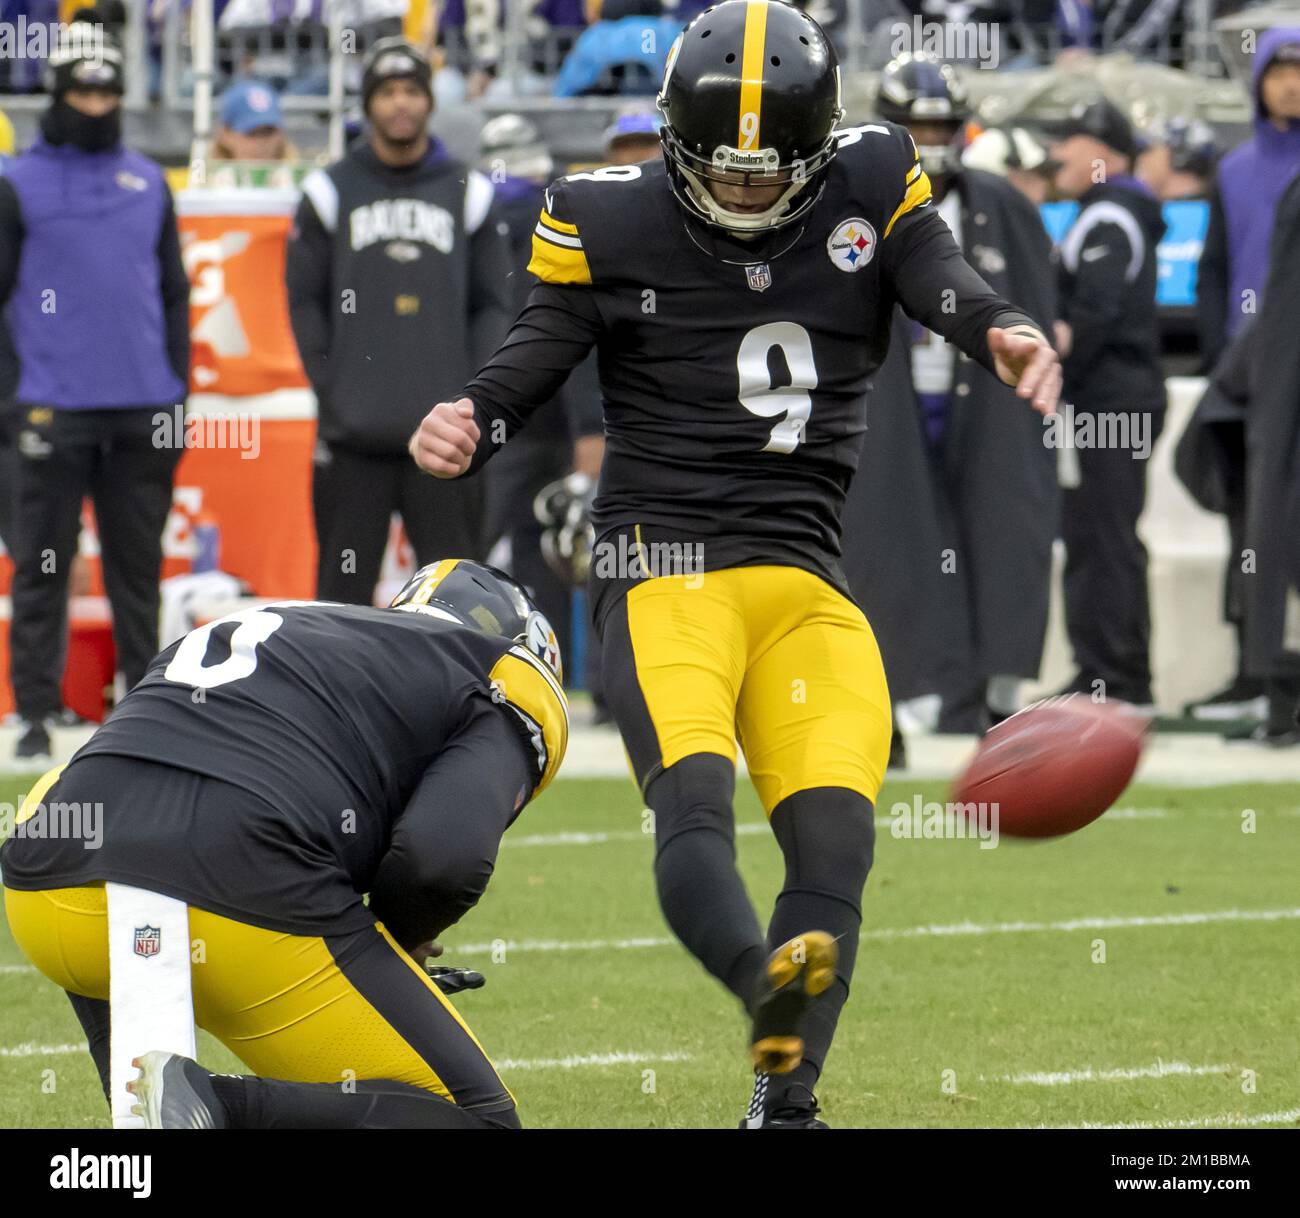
(1056, 766)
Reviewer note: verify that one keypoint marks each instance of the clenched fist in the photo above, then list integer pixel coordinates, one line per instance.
(445, 441)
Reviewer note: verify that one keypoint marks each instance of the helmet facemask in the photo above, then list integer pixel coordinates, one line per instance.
(800, 178)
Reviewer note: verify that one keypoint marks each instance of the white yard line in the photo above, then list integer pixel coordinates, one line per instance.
(1059, 1078)
(589, 1059)
(1175, 759)
(577, 837)
(1006, 928)
(900, 932)
(34, 1050)
(17, 968)
(1290, 1116)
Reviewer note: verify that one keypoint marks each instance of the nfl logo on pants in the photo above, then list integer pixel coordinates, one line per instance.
(149, 992)
(148, 940)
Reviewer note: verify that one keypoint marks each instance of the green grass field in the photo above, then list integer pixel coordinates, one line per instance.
(978, 1001)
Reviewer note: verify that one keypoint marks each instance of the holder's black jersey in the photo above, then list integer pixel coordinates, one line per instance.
(733, 373)
(330, 715)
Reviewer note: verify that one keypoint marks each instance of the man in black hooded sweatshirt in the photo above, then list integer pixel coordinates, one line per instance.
(397, 276)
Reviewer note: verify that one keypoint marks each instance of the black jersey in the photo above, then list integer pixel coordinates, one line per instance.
(328, 716)
(733, 373)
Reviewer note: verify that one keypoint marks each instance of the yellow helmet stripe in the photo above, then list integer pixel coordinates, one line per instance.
(442, 569)
(751, 76)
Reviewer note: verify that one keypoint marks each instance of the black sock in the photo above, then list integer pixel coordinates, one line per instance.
(93, 1015)
(269, 1103)
(701, 893)
(827, 836)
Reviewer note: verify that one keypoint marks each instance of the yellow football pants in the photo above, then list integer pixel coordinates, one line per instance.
(772, 656)
(350, 1006)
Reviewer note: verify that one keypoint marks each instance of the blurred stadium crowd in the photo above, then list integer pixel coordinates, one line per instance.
(504, 48)
(1202, 148)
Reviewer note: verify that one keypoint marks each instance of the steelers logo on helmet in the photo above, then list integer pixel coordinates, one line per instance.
(540, 639)
(852, 244)
(750, 99)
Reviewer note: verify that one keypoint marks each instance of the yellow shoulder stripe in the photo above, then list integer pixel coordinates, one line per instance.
(553, 263)
(528, 686)
(918, 194)
(560, 226)
(424, 593)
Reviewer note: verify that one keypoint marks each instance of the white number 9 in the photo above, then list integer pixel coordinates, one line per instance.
(792, 402)
(749, 128)
(607, 173)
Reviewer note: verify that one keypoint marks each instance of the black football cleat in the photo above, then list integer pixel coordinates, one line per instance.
(453, 980)
(797, 1109)
(33, 746)
(794, 975)
(175, 1093)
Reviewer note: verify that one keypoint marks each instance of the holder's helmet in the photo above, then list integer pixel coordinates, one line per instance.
(485, 599)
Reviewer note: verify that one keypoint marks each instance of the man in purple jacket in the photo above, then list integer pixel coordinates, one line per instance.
(1250, 181)
(1234, 265)
(98, 302)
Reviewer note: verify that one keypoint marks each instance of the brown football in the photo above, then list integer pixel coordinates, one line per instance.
(1056, 766)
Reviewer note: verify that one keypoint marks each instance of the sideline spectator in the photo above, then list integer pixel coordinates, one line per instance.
(95, 371)
(1110, 342)
(252, 128)
(633, 137)
(1249, 183)
(624, 51)
(395, 274)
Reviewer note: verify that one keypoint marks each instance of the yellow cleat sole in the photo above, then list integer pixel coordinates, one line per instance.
(795, 973)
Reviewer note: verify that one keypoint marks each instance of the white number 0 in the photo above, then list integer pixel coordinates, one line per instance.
(255, 626)
(793, 402)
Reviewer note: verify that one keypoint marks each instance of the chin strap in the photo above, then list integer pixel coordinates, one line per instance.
(712, 248)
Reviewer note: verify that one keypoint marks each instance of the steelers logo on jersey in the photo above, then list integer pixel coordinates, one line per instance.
(852, 245)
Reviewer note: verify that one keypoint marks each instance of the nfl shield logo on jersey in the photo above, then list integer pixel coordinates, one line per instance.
(852, 245)
(759, 276)
(148, 940)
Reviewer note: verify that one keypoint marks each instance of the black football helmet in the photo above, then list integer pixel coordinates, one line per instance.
(476, 595)
(563, 509)
(751, 96)
(917, 88)
(1193, 147)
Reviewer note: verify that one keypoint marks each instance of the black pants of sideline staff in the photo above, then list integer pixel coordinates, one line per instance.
(1107, 603)
(353, 498)
(126, 465)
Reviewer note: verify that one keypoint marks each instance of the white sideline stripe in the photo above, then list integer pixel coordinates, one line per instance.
(1057, 1078)
(1222, 1118)
(17, 968)
(590, 1059)
(31, 1049)
(903, 932)
(744, 829)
